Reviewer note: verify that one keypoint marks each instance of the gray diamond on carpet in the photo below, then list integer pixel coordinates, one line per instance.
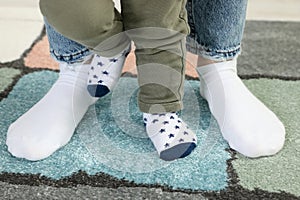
(270, 48)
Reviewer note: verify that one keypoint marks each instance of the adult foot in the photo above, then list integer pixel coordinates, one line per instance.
(50, 123)
(245, 122)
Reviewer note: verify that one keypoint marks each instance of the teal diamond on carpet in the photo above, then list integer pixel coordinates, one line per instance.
(111, 139)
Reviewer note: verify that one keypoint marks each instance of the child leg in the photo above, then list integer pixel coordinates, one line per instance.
(158, 29)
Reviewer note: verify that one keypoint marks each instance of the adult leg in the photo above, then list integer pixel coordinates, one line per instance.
(58, 113)
(216, 34)
(94, 24)
(50, 123)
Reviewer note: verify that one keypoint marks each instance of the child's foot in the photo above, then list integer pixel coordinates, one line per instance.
(105, 72)
(170, 135)
(50, 123)
(245, 122)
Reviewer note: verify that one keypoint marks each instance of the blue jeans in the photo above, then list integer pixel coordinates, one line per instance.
(216, 28)
(216, 32)
(63, 49)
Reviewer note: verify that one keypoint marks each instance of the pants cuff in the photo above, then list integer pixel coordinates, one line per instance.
(212, 54)
(107, 50)
(160, 108)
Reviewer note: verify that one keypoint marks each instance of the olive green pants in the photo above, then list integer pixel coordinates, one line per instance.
(157, 27)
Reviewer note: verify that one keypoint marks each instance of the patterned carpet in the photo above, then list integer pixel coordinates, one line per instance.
(120, 166)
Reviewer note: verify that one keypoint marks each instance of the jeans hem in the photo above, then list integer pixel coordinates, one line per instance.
(212, 54)
(71, 58)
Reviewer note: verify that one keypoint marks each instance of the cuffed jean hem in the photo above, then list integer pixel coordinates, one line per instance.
(71, 58)
(160, 108)
(212, 54)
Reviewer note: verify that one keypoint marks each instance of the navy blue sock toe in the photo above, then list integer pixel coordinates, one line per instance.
(189, 150)
(98, 90)
(178, 151)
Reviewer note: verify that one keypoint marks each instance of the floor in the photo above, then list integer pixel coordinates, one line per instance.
(23, 21)
(269, 66)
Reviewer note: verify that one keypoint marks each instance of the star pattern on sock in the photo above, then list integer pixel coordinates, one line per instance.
(113, 60)
(181, 140)
(162, 130)
(105, 72)
(95, 76)
(169, 132)
(100, 64)
(154, 121)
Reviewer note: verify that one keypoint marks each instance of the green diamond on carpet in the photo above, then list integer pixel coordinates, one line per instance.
(6, 77)
(111, 139)
(282, 171)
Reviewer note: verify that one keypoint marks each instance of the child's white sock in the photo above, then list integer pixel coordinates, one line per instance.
(245, 122)
(105, 72)
(170, 135)
(50, 123)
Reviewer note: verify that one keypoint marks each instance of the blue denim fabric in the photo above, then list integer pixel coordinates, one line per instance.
(63, 49)
(216, 28)
(216, 32)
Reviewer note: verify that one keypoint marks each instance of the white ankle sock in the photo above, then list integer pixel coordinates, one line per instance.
(170, 135)
(245, 122)
(105, 72)
(50, 123)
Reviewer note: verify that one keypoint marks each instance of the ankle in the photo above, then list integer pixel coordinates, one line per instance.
(215, 68)
(204, 61)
